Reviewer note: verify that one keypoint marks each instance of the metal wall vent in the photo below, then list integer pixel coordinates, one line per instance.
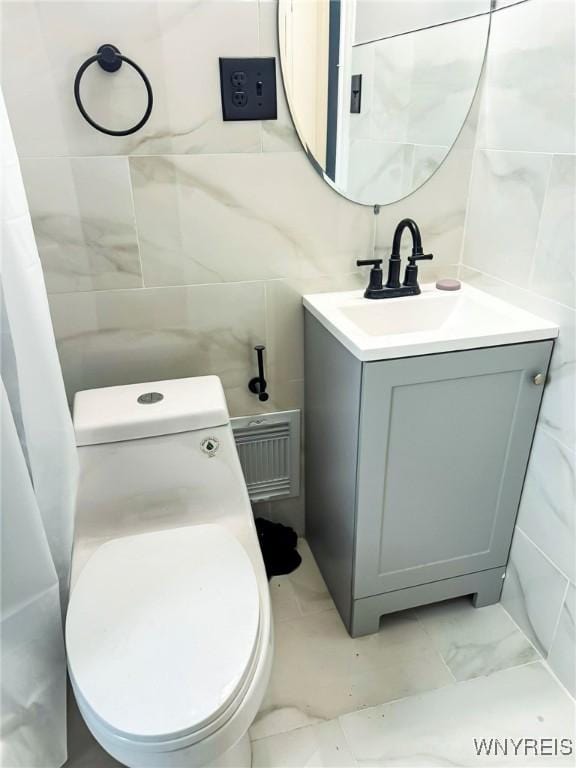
(269, 450)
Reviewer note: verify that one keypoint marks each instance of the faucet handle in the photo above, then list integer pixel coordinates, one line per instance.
(420, 257)
(411, 273)
(375, 283)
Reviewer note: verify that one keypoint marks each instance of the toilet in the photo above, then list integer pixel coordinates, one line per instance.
(168, 630)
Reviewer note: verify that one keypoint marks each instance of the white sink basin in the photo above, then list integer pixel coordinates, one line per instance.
(435, 321)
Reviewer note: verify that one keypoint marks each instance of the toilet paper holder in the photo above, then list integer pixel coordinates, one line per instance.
(258, 384)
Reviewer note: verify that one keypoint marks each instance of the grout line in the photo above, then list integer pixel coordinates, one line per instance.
(541, 662)
(564, 596)
(259, 46)
(435, 647)
(347, 743)
(468, 207)
(172, 286)
(512, 666)
(318, 721)
(544, 555)
(258, 27)
(256, 153)
(218, 283)
(480, 95)
(558, 681)
(176, 155)
(267, 305)
(542, 659)
(540, 225)
(523, 633)
(136, 232)
(520, 151)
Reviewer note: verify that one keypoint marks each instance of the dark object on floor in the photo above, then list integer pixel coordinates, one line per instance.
(278, 545)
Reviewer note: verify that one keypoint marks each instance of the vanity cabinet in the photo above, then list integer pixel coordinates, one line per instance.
(414, 471)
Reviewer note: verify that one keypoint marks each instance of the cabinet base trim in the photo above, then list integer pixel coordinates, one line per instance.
(484, 586)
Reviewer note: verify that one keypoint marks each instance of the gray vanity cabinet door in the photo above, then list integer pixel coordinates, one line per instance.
(444, 444)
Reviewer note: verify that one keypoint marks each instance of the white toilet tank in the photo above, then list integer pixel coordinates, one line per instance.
(154, 456)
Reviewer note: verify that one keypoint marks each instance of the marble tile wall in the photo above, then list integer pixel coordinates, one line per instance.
(384, 18)
(173, 251)
(520, 244)
(416, 92)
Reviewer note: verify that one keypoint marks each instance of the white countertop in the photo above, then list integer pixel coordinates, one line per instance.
(432, 322)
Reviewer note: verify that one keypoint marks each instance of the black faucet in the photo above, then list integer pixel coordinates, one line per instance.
(393, 288)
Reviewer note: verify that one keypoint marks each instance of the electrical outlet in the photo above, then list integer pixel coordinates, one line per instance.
(238, 79)
(248, 88)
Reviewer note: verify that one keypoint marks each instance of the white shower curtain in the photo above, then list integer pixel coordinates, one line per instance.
(38, 487)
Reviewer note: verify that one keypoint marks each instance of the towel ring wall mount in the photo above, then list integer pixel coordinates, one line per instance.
(110, 59)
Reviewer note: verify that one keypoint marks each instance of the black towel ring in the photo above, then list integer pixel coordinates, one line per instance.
(110, 59)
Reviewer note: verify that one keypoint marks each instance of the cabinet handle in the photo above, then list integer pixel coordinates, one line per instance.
(539, 379)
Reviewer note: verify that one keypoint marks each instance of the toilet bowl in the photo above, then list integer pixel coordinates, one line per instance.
(168, 630)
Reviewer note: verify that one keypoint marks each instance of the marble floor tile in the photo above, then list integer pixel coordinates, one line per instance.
(321, 672)
(439, 727)
(309, 587)
(273, 722)
(320, 745)
(301, 592)
(475, 642)
(283, 599)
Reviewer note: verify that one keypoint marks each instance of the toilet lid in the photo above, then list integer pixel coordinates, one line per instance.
(161, 630)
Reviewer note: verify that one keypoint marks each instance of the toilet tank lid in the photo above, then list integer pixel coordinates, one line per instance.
(133, 411)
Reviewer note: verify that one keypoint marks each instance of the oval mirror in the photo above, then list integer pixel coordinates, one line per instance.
(380, 89)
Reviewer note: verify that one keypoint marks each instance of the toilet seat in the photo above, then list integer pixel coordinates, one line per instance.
(162, 631)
